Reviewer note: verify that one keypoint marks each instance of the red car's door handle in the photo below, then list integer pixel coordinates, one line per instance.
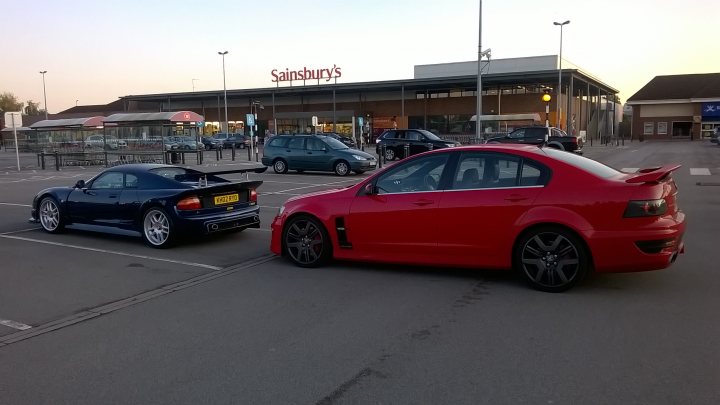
(423, 202)
(516, 198)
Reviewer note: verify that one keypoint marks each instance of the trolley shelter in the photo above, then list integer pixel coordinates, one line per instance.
(160, 137)
(8, 139)
(71, 141)
(72, 135)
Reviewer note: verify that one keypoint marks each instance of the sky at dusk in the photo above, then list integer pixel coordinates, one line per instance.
(96, 51)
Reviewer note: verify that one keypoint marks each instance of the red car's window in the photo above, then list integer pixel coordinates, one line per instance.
(479, 170)
(418, 175)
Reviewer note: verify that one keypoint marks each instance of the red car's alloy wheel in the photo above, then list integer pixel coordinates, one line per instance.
(552, 260)
(306, 242)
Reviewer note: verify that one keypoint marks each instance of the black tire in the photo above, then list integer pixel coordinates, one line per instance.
(390, 154)
(306, 242)
(551, 259)
(50, 215)
(157, 228)
(342, 168)
(280, 166)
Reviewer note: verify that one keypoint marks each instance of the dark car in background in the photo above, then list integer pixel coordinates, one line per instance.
(239, 141)
(161, 202)
(418, 140)
(348, 141)
(211, 143)
(536, 135)
(315, 152)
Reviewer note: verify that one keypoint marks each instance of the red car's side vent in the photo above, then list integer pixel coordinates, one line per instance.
(342, 234)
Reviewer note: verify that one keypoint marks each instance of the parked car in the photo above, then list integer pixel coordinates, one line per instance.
(348, 141)
(99, 141)
(211, 143)
(536, 135)
(186, 142)
(315, 152)
(552, 216)
(240, 141)
(419, 140)
(161, 202)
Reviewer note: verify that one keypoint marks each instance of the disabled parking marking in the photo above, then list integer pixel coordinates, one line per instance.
(112, 252)
(14, 325)
(701, 171)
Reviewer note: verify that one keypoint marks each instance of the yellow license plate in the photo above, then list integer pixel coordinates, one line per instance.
(226, 199)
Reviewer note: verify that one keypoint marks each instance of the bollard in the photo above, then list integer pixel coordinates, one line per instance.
(383, 149)
(232, 152)
(249, 151)
(200, 157)
(257, 153)
(217, 154)
(57, 161)
(182, 157)
(406, 151)
(42, 159)
(380, 158)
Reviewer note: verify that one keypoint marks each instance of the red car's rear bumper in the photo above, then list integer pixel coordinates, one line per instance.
(639, 250)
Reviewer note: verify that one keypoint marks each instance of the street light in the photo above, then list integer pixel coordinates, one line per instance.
(44, 93)
(559, 92)
(227, 127)
(76, 101)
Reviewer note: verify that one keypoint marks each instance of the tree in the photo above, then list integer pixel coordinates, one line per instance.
(32, 108)
(8, 102)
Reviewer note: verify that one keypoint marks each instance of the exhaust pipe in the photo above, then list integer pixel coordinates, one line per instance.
(214, 227)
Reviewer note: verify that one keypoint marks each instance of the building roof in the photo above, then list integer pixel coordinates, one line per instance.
(173, 116)
(679, 88)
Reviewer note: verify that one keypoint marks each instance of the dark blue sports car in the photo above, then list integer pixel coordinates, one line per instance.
(161, 202)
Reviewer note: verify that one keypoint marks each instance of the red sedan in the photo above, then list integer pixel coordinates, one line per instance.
(551, 215)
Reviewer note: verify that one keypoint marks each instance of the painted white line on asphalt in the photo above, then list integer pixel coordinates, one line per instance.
(699, 171)
(313, 186)
(629, 169)
(16, 205)
(259, 229)
(20, 231)
(14, 325)
(112, 252)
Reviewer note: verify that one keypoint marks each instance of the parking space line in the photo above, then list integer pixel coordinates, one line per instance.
(313, 186)
(699, 171)
(16, 205)
(14, 325)
(106, 309)
(20, 231)
(112, 252)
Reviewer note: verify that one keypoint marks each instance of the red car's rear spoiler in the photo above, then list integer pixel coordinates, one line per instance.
(652, 175)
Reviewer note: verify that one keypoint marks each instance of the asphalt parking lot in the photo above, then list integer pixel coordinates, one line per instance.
(222, 320)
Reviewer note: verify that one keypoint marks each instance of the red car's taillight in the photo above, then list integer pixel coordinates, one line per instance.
(189, 203)
(253, 197)
(645, 208)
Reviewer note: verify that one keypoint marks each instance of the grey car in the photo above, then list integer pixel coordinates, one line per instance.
(316, 153)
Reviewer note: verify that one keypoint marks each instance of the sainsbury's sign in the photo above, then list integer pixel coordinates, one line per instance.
(306, 74)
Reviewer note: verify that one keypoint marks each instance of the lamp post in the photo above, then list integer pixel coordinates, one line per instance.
(76, 101)
(44, 92)
(478, 107)
(227, 127)
(559, 92)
